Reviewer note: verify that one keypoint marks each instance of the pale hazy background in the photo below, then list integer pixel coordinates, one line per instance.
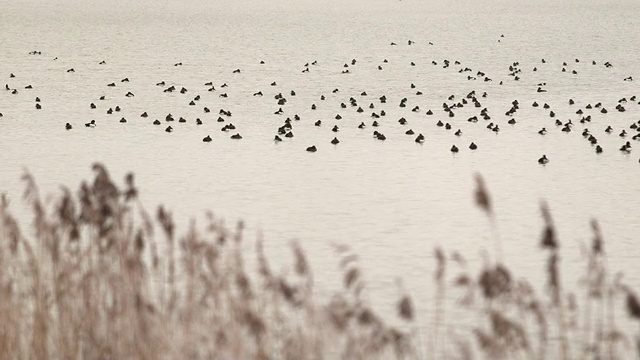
(391, 201)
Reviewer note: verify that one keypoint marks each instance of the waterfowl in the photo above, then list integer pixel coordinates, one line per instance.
(419, 139)
(458, 132)
(110, 111)
(338, 117)
(335, 141)
(312, 148)
(68, 126)
(402, 121)
(535, 104)
(409, 132)
(598, 149)
(123, 120)
(129, 94)
(28, 87)
(92, 123)
(374, 123)
(111, 84)
(207, 139)
(439, 123)
(318, 123)
(144, 114)
(156, 122)
(541, 90)
(236, 136)
(168, 129)
(277, 138)
(289, 134)
(198, 121)
(182, 120)
(512, 121)
(361, 126)
(543, 160)
(608, 130)
(454, 149)
(626, 148)
(125, 80)
(473, 146)
(38, 107)
(335, 128)
(623, 133)
(71, 70)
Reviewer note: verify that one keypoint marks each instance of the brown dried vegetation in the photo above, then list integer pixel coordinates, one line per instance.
(100, 278)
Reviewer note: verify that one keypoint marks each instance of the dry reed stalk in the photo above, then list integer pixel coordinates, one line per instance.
(439, 314)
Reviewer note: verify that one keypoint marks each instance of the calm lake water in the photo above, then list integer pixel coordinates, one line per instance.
(391, 201)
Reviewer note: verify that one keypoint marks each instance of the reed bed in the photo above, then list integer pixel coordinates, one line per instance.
(97, 277)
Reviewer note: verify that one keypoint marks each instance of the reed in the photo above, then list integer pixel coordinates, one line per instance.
(98, 277)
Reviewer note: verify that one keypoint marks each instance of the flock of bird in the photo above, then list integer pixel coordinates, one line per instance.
(361, 103)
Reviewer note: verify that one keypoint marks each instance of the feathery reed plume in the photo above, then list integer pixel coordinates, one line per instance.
(633, 305)
(482, 196)
(131, 192)
(484, 203)
(549, 234)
